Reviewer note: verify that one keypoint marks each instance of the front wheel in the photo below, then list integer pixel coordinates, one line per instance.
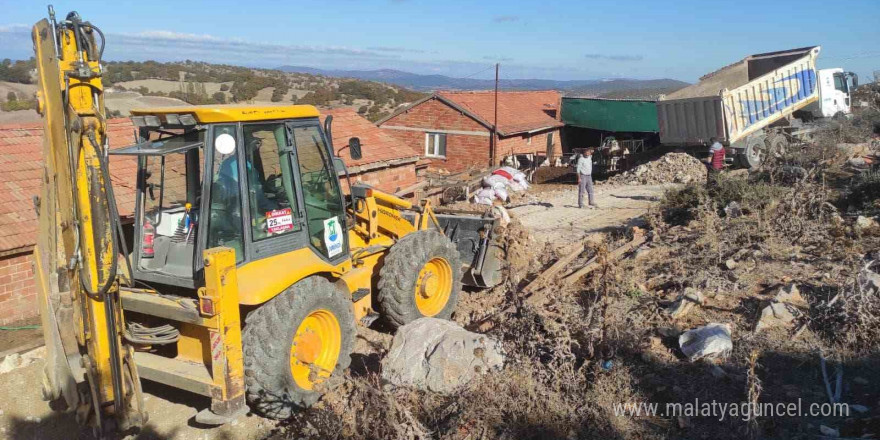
(295, 342)
(421, 277)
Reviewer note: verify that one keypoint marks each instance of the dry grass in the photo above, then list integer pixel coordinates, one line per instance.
(609, 340)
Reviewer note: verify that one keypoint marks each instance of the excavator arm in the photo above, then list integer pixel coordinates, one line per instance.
(89, 369)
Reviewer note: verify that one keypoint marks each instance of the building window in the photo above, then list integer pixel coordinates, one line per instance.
(435, 144)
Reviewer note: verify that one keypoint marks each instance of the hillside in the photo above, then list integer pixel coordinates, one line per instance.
(592, 87)
(143, 84)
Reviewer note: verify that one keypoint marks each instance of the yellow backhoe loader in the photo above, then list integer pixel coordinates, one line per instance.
(249, 266)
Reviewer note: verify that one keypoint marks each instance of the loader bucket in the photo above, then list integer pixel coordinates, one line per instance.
(480, 251)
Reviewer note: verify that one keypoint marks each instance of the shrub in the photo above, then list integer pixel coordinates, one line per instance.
(679, 206)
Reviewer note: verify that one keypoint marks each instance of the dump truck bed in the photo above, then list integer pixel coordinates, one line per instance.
(740, 99)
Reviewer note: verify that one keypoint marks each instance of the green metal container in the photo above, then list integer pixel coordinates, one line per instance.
(610, 114)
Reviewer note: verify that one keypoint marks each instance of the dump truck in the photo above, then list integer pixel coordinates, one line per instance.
(757, 105)
(250, 267)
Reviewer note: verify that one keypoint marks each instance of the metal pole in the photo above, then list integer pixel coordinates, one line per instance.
(495, 123)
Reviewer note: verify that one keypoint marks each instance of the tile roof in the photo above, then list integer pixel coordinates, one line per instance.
(518, 112)
(377, 144)
(21, 162)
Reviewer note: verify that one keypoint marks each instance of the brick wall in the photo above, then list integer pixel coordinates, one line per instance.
(18, 295)
(463, 151)
(390, 180)
(519, 144)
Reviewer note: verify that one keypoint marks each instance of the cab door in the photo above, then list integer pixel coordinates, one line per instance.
(274, 214)
(323, 206)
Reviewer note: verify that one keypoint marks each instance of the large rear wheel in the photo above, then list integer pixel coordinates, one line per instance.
(421, 277)
(294, 343)
(755, 153)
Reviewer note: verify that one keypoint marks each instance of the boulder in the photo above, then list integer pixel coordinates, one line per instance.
(708, 341)
(439, 356)
(777, 315)
(790, 294)
(685, 302)
(865, 223)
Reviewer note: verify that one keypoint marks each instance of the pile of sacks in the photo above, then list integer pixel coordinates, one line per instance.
(497, 186)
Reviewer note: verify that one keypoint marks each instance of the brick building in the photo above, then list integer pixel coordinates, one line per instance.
(21, 164)
(387, 164)
(453, 130)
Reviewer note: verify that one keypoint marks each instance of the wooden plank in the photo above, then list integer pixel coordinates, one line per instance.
(569, 254)
(411, 189)
(638, 239)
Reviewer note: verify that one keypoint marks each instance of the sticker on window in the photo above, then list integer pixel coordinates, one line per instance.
(332, 236)
(279, 220)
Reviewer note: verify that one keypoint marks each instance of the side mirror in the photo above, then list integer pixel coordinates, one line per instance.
(354, 148)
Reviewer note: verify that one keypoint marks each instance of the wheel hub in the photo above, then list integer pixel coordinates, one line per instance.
(433, 286)
(315, 348)
(307, 347)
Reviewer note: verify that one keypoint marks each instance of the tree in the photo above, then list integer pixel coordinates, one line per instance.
(220, 97)
(11, 97)
(224, 87)
(363, 109)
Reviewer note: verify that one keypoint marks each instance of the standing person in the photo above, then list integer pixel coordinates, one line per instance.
(585, 178)
(715, 161)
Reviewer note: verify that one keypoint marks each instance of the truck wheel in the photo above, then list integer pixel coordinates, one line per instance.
(777, 144)
(421, 277)
(754, 154)
(295, 342)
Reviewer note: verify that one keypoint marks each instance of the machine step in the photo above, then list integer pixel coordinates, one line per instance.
(189, 376)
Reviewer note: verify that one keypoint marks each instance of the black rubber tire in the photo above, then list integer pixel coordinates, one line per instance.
(777, 145)
(398, 276)
(754, 154)
(267, 339)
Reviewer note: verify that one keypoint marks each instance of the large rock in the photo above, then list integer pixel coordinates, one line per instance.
(440, 356)
(712, 340)
(783, 310)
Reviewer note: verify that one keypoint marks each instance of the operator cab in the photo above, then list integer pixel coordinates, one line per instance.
(259, 180)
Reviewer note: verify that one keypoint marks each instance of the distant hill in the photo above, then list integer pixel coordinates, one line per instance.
(591, 87)
(150, 83)
(629, 89)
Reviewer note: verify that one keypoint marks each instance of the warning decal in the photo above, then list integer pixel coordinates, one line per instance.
(279, 220)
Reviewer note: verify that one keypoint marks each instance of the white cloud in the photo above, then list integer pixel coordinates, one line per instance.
(15, 27)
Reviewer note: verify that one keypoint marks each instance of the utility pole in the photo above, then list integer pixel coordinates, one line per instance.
(494, 142)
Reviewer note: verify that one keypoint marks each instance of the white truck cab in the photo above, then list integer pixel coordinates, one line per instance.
(835, 86)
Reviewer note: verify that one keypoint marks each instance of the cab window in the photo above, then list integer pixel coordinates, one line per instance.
(270, 183)
(840, 83)
(224, 223)
(322, 199)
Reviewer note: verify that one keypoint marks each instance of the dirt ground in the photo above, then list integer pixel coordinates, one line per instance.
(552, 214)
(10, 340)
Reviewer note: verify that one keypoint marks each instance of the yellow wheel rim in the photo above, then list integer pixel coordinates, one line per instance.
(433, 286)
(315, 348)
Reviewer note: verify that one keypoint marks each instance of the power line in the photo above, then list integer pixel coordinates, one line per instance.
(475, 74)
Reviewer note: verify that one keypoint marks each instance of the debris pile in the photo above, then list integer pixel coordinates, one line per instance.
(671, 168)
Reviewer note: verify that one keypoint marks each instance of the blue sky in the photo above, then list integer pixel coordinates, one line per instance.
(531, 39)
